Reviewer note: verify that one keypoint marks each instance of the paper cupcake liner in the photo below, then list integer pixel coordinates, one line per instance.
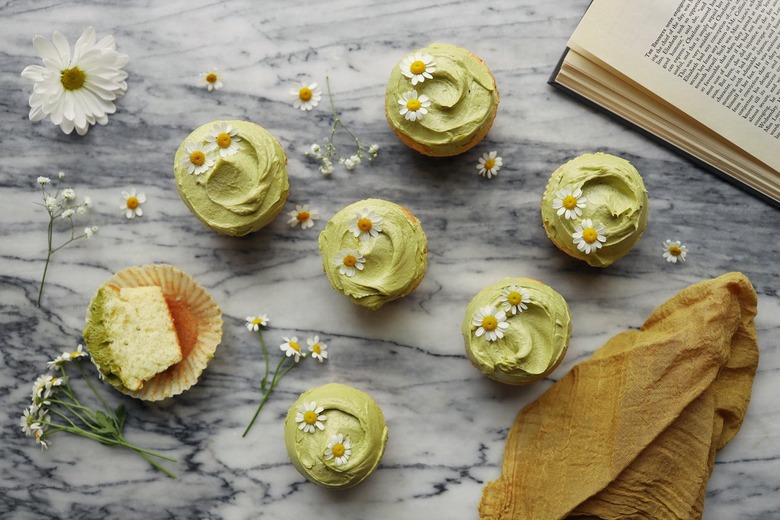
(196, 317)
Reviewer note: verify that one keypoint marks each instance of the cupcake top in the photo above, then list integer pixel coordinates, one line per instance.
(232, 175)
(459, 103)
(335, 435)
(595, 208)
(374, 251)
(517, 330)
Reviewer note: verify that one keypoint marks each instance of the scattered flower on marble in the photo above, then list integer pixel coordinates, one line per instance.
(340, 448)
(199, 157)
(60, 204)
(489, 164)
(589, 236)
(291, 347)
(224, 138)
(569, 204)
(79, 89)
(412, 106)
(212, 79)
(310, 417)
(306, 96)
(347, 260)
(53, 399)
(674, 251)
(329, 154)
(514, 299)
(253, 323)
(132, 203)
(304, 216)
(318, 349)
(490, 322)
(418, 67)
(365, 225)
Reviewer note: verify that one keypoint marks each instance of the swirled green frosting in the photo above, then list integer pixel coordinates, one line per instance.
(241, 193)
(532, 346)
(395, 260)
(349, 412)
(463, 98)
(616, 197)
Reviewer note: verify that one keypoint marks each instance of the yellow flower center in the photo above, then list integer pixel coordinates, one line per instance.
(132, 202)
(72, 79)
(294, 345)
(365, 224)
(417, 67)
(489, 323)
(310, 417)
(674, 250)
(514, 298)
(338, 450)
(589, 235)
(413, 104)
(489, 164)
(257, 321)
(303, 216)
(316, 348)
(569, 202)
(223, 140)
(350, 260)
(211, 77)
(197, 158)
(305, 94)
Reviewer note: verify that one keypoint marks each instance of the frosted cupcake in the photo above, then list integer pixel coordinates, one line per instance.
(335, 435)
(151, 331)
(516, 331)
(441, 100)
(374, 251)
(232, 175)
(595, 208)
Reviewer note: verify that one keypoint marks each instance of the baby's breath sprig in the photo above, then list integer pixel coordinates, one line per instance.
(61, 205)
(330, 153)
(293, 355)
(53, 398)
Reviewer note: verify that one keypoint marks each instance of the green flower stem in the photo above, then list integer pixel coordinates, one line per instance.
(48, 257)
(71, 407)
(267, 393)
(265, 359)
(94, 390)
(336, 123)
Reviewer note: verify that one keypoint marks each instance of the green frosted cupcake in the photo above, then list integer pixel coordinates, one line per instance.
(232, 175)
(516, 331)
(374, 251)
(441, 100)
(595, 208)
(335, 435)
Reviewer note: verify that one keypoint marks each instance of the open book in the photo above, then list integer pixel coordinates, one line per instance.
(703, 76)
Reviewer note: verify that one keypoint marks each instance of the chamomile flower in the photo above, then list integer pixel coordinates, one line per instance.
(39, 429)
(225, 139)
(412, 106)
(347, 260)
(366, 224)
(67, 356)
(490, 322)
(212, 79)
(291, 347)
(514, 299)
(306, 96)
(132, 203)
(418, 67)
(489, 164)
(589, 236)
(674, 251)
(303, 216)
(29, 419)
(42, 387)
(340, 448)
(76, 90)
(318, 349)
(310, 417)
(198, 157)
(253, 323)
(569, 204)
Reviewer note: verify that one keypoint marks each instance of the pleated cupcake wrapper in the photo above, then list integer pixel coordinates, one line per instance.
(198, 322)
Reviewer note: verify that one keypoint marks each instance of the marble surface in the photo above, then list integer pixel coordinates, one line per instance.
(447, 423)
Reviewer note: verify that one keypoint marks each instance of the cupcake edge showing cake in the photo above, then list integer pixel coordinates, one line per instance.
(600, 197)
(529, 343)
(452, 125)
(318, 453)
(234, 190)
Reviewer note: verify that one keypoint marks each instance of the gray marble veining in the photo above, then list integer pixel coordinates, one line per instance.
(447, 423)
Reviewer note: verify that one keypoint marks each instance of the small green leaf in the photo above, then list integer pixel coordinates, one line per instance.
(121, 415)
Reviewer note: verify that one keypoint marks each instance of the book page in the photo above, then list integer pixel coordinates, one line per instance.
(716, 60)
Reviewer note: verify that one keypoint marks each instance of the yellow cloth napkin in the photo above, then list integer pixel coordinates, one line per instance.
(632, 432)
